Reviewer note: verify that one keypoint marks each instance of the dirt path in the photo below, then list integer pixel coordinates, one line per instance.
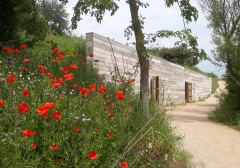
(213, 145)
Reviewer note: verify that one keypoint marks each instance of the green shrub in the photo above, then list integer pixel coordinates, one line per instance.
(228, 109)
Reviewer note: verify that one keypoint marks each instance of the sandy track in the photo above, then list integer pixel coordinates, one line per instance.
(212, 144)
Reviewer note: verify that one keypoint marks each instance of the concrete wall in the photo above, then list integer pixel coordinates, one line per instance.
(172, 76)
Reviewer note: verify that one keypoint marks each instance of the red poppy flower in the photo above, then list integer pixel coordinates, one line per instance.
(24, 69)
(74, 84)
(92, 155)
(54, 60)
(50, 105)
(90, 55)
(61, 52)
(23, 108)
(74, 52)
(53, 146)
(56, 115)
(128, 106)
(11, 78)
(47, 41)
(11, 51)
(73, 66)
(119, 95)
(131, 80)
(41, 69)
(65, 70)
(84, 91)
(60, 80)
(33, 146)
(96, 130)
(55, 50)
(110, 134)
(93, 87)
(42, 110)
(76, 129)
(26, 92)
(55, 84)
(106, 108)
(101, 90)
(6, 49)
(124, 164)
(17, 51)
(60, 57)
(23, 46)
(104, 88)
(110, 115)
(108, 101)
(28, 132)
(68, 76)
(26, 60)
(1, 102)
(48, 74)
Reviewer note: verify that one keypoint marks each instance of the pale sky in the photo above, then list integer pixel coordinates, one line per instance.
(158, 17)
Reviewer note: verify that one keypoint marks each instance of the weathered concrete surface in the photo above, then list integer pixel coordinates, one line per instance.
(110, 53)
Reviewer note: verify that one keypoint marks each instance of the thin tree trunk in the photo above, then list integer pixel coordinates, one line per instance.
(143, 59)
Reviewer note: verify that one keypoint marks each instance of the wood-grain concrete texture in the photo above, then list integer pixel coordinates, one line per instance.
(172, 77)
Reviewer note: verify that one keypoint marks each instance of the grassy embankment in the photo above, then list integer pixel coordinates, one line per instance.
(57, 111)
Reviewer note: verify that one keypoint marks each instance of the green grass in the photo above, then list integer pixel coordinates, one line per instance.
(135, 140)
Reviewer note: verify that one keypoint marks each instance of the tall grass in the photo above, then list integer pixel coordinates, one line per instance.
(59, 112)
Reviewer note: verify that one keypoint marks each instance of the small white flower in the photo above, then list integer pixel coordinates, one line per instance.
(83, 115)
(141, 152)
(84, 119)
(76, 118)
(150, 145)
(166, 156)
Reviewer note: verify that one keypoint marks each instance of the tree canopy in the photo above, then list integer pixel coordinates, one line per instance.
(55, 14)
(224, 20)
(20, 22)
(179, 55)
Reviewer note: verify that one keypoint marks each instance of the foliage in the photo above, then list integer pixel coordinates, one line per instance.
(20, 22)
(56, 15)
(178, 55)
(228, 109)
(224, 19)
(55, 110)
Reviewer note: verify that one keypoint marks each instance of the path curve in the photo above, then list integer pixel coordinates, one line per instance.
(213, 145)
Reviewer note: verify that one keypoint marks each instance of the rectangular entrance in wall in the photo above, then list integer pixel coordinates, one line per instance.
(188, 92)
(155, 88)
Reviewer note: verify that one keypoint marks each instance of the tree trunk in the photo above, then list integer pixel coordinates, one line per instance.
(143, 59)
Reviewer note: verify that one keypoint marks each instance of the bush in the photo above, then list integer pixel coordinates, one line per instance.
(228, 109)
